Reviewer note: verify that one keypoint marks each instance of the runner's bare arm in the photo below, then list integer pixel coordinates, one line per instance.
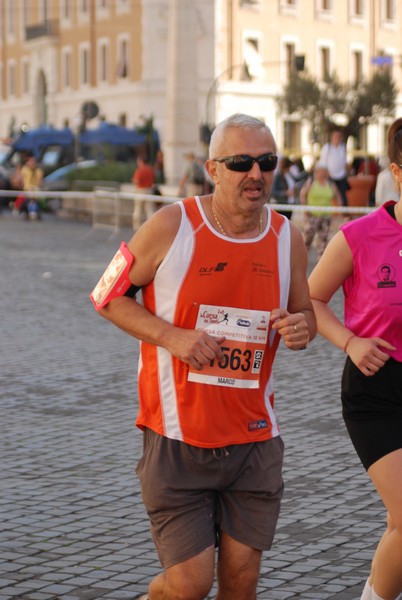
(296, 323)
(149, 245)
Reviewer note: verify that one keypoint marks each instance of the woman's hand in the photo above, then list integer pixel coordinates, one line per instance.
(367, 355)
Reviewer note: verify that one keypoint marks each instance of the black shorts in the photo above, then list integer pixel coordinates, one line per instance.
(372, 410)
(190, 493)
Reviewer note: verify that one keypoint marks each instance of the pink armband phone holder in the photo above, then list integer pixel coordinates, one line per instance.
(115, 280)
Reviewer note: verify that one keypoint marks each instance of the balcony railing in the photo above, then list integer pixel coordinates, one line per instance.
(43, 29)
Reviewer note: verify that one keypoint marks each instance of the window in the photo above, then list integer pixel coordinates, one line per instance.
(251, 3)
(252, 56)
(357, 66)
(324, 8)
(122, 6)
(12, 78)
(103, 61)
(44, 10)
(358, 13)
(388, 10)
(82, 10)
(324, 62)
(66, 67)
(292, 135)
(11, 8)
(290, 54)
(357, 7)
(289, 7)
(25, 76)
(66, 10)
(23, 17)
(102, 9)
(83, 7)
(84, 64)
(122, 57)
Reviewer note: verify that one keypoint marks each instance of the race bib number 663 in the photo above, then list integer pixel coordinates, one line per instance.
(246, 333)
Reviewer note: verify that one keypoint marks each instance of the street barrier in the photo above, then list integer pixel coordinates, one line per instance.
(110, 209)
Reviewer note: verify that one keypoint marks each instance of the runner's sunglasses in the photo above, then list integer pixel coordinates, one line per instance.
(243, 162)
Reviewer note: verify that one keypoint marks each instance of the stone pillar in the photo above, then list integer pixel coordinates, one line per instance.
(182, 123)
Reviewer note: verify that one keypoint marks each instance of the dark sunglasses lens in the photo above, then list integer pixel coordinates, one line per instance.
(268, 163)
(242, 164)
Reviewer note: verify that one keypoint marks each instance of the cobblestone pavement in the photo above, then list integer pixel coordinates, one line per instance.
(72, 525)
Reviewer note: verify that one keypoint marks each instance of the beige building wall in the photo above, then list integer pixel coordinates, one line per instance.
(339, 36)
(71, 52)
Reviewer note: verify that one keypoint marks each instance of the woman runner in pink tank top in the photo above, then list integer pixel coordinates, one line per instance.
(365, 258)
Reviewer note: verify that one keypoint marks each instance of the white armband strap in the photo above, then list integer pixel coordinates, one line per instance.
(115, 280)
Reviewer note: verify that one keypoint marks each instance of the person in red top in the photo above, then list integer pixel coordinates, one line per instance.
(223, 280)
(143, 178)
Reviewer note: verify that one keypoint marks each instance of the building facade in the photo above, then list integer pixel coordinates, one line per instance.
(186, 63)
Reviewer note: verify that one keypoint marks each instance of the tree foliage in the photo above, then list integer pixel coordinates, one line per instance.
(324, 103)
(301, 95)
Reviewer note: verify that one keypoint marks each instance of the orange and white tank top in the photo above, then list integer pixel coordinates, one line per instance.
(227, 287)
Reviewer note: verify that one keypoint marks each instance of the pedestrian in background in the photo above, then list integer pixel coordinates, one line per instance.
(364, 258)
(211, 471)
(159, 169)
(193, 179)
(299, 174)
(318, 190)
(143, 178)
(283, 187)
(30, 177)
(333, 156)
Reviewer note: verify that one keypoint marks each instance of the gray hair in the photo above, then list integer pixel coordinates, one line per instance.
(237, 120)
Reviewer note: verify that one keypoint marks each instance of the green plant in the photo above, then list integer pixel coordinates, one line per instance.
(109, 171)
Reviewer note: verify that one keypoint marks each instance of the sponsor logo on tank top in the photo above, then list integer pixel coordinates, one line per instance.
(255, 425)
(262, 269)
(216, 268)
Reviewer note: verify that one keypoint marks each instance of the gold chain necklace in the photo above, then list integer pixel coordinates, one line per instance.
(223, 232)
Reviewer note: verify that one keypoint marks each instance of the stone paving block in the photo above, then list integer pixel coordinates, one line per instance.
(5, 582)
(40, 596)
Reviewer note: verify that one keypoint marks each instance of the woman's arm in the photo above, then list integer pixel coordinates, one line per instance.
(335, 265)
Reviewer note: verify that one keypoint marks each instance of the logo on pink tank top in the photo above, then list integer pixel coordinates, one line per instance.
(386, 276)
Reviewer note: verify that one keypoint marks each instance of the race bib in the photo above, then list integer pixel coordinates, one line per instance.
(246, 333)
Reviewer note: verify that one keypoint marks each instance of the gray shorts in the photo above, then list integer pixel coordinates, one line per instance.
(191, 493)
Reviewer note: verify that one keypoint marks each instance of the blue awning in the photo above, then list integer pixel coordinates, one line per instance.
(35, 140)
(108, 133)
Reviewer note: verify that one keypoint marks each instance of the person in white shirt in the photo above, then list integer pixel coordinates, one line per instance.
(333, 157)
